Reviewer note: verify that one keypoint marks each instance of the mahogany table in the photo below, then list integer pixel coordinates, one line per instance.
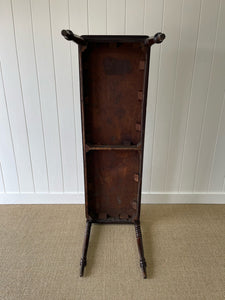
(113, 93)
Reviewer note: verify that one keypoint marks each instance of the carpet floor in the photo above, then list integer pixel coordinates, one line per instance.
(40, 249)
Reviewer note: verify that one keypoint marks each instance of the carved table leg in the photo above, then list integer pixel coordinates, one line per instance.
(140, 248)
(83, 260)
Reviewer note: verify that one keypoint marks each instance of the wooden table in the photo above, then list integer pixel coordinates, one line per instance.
(113, 87)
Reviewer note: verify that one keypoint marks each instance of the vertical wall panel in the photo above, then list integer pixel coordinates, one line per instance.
(78, 17)
(213, 110)
(97, 13)
(7, 154)
(31, 97)
(2, 184)
(47, 85)
(153, 23)
(14, 97)
(116, 12)
(172, 27)
(199, 88)
(64, 90)
(217, 177)
(78, 21)
(181, 93)
(135, 10)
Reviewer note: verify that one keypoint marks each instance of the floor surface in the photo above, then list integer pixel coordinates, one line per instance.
(40, 248)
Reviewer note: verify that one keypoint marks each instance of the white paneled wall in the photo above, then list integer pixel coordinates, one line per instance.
(40, 128)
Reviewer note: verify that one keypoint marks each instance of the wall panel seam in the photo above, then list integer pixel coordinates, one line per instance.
(217, 137)
(155, 109)
(206, 102)
(189, 104)
(173, 102)
(87, 17)
(10, 129)
(56, 94)
(3, 182)
(144, 16)
(22, 96)
(74, 119)
(224, 184)
(39, 95)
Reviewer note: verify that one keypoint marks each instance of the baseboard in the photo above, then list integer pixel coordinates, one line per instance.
(42, 198)
(78, 198)
(182, 198)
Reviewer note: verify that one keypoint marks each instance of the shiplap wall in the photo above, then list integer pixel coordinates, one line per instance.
(40, 130)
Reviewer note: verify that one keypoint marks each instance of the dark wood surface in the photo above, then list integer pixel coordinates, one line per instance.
(113, 85)
(112, 188)
(113, 108)
(112, 81)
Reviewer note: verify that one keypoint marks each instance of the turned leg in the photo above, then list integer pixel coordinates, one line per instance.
(83, 260)
(140, 248)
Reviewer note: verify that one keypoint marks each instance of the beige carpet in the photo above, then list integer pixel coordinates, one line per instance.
(40, 248)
